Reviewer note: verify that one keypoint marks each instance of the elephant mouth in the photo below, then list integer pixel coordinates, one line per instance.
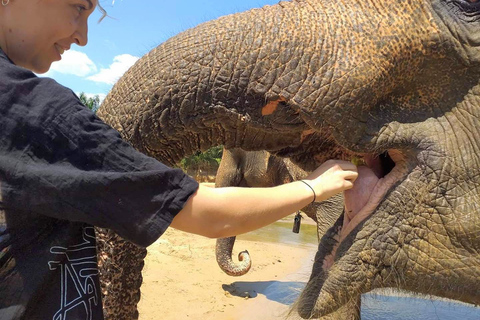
(376, 178)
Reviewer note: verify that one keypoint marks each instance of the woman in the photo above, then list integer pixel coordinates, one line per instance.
(62, 171)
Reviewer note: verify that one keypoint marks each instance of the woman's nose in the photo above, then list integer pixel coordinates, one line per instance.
(81, 34)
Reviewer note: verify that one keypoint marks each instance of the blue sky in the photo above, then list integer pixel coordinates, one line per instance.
(133, 28)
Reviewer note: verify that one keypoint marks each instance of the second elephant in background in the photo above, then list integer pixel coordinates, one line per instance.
(242, 168)
(263, 169)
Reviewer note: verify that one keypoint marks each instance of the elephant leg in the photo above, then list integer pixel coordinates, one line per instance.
(120, 265)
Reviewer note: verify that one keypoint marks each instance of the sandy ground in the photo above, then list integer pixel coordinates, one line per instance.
(183, 281)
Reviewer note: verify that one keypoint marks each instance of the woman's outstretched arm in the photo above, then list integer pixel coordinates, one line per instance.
(224, 212)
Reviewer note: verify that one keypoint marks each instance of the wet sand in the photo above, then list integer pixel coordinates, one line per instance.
(183, 281)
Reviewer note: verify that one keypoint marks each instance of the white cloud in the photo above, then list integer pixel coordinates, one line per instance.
(73, 62)
(111, 74)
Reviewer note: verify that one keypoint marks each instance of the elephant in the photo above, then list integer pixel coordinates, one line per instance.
(395, 83)
(261, 169)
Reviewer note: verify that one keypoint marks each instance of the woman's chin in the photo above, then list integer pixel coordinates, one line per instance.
(40, 69)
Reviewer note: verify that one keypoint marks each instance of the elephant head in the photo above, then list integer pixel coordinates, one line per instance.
(396, 83)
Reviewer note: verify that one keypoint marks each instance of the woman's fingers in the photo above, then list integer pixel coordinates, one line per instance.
(350, 175)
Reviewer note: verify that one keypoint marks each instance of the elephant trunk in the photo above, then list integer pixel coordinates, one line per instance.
(120, 264)
(223, 252)
(230, 81)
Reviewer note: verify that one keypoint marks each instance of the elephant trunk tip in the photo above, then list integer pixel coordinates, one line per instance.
(244, 255)
(223, 253)
(237, 270)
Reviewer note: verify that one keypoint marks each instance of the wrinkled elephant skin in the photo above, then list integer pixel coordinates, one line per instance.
(396, 83)
(223, 254)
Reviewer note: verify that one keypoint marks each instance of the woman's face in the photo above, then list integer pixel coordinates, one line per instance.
(34, 33)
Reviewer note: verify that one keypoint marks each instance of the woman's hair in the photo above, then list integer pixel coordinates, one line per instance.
(102, 10)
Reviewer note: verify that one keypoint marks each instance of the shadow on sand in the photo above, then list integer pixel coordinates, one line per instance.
(284, 292)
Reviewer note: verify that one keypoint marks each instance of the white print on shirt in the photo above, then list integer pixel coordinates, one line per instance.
(78, 269)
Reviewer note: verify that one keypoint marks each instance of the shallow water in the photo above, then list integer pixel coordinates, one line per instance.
(375, 306)
(381, 307)
(281, 232)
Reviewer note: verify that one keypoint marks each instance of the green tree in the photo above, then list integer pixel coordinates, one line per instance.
(92, 103)
(203, 160)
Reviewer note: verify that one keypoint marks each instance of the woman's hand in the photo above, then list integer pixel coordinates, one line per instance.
(332, 177)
